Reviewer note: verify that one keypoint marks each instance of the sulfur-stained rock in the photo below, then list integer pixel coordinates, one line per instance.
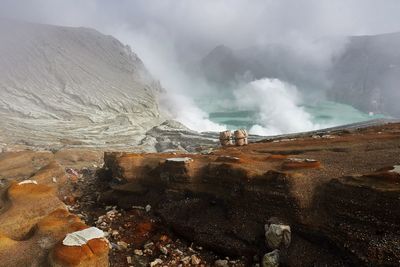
(53, 175)
(32, 218)
(27, 204)
(49, 231)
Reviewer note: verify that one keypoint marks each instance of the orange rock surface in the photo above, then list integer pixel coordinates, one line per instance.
(33, 219)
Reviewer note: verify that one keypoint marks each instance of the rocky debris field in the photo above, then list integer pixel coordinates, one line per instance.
(137, 236)
(323, 199)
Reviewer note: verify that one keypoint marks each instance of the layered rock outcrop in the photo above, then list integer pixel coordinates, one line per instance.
(340, 210)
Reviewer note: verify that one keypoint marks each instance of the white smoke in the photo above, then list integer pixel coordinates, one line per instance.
(278, 106)
(161, 60)
(184, 110)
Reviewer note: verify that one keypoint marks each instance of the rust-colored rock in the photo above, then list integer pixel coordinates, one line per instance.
(22, 165)
(32, 217)
(94, 253)
(27, 205)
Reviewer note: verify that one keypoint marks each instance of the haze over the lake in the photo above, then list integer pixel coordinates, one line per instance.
(270, 66)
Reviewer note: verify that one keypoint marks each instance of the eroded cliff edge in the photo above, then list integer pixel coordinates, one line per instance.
(339, 192)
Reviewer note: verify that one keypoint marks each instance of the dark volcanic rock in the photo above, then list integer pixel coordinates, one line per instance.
(363, 217)
(337, 217)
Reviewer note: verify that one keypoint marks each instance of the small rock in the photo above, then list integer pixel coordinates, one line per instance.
(277, 235)
(27, 182)
(123, 245)
(178, 252)
(228, 159)
(148, 245)
(138, 252)
(185, 260)
(164, 238)
(221, 263)
(195, 260)
(148, 208)
(137, 207)
(164, 250)
(148, 251)
(72, 171)
(80, 238)
(271, 259)
(114, 233)
(156, 262)
(184, 160)
(129, 260)
(140, 261)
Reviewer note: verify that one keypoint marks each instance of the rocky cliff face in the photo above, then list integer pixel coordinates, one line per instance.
(72, 86)
(337, 191)
(367, 74)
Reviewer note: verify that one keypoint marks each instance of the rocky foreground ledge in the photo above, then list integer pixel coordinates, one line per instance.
(311, 200)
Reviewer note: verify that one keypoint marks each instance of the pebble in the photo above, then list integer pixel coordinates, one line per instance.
(114, 233)
(155, 262)
(148, 251)
(138, 252)
(164, 238)
(178, 252)
(164, 250)
(148, 245)
(221, 263)
(148, 208)
(185, 260)
(137, 207)
(129, 260)
(271, 259)
(195, 260)
(123, 245)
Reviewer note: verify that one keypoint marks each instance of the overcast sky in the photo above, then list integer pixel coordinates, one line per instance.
(207, 23)
(165, 33)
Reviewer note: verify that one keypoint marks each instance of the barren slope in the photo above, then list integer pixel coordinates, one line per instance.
(61, 85)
